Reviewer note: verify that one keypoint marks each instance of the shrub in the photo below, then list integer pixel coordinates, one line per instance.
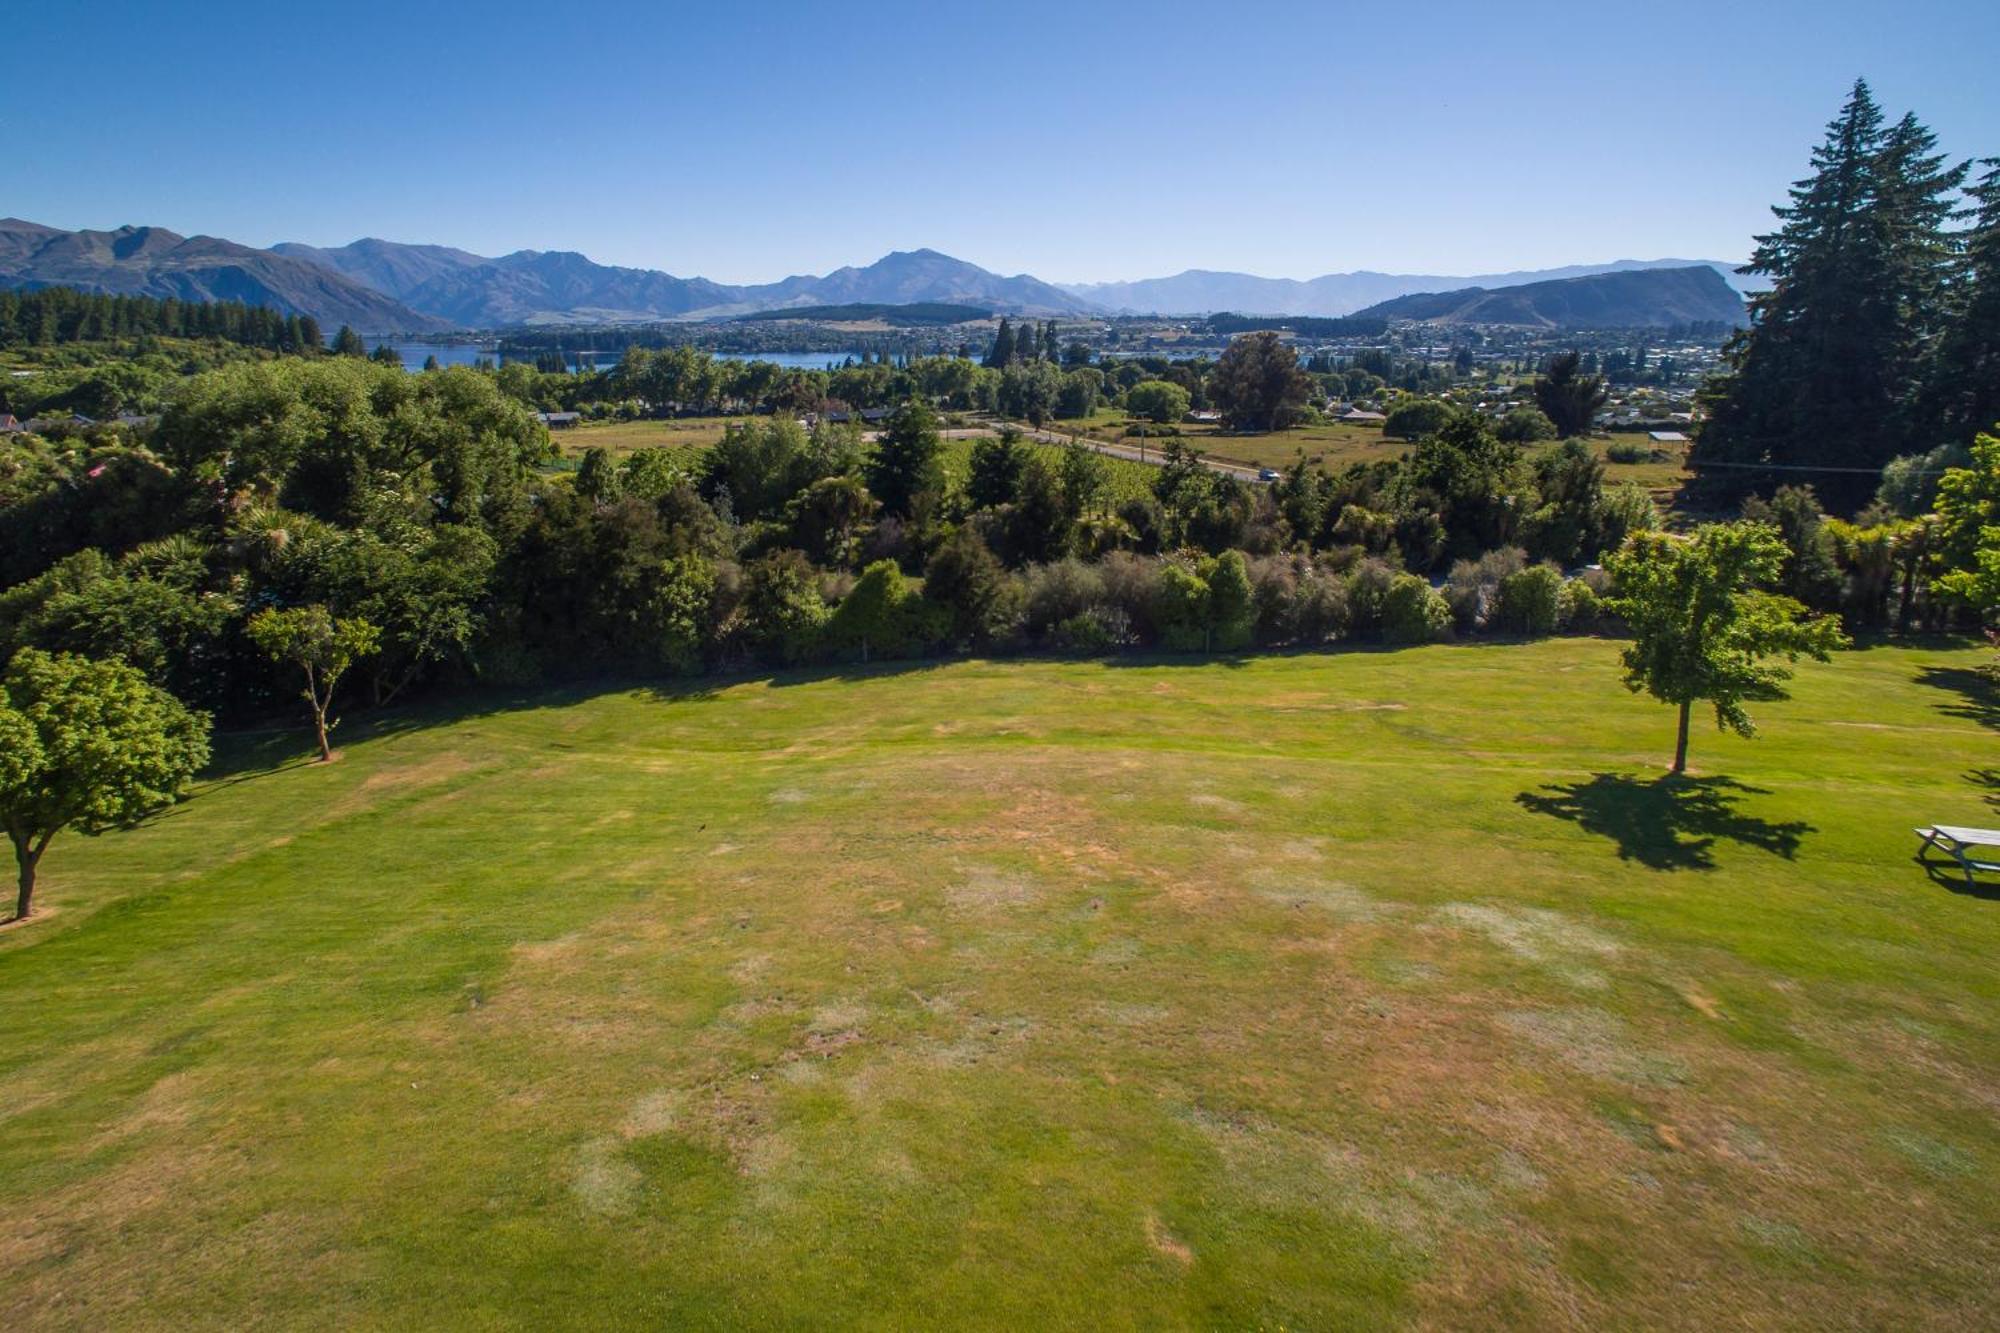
(1180, 607)
(1530, 601)
(1061, 591)
(1627, 509)
(1578, 610)
(782, 609)
(1102, 629)
(1629, 451)
(1129, 583)
(1232, 612)
(1416, 418)
(1367, 588)
(1298, 601)
(980, 601)
(1473, 586)
(1413, 611)
(1525, 425)
(1909, 481)
(1319, 608)
(880, 617)
(1145, 519)
(1273, 586)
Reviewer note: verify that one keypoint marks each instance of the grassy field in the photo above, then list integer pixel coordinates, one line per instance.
(622, 437)
(1351, 990)
(1336, 445)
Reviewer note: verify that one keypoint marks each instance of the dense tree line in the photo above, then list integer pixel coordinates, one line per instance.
(54, 316)
(424, 506)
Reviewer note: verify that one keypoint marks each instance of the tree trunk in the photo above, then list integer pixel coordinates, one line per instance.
(319, 722)
(24, 902)
(1681, 745)
(1909, 595)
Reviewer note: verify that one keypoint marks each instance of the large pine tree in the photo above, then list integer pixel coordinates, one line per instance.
(1965, 375)
(1825, 375)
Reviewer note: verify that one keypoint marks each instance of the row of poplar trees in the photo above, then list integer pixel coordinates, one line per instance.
(1880, 335)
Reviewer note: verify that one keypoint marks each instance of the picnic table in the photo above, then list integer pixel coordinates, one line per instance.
(1974, 849)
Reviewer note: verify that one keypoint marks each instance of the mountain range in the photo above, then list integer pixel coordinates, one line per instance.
(379, 286)
(561, 286)
(152, 261)
(1205, 292)
(1630, 298)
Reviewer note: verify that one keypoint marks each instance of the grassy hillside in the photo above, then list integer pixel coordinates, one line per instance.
(1312, 991)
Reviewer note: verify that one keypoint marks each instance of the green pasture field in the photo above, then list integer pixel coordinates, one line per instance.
(1342, 990)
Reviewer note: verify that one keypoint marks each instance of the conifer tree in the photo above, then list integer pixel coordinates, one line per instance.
(1823, 375)
(1965, 375)
(1003, 347)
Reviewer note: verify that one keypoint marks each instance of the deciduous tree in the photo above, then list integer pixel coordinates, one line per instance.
(1702, 631)
(1158, 401)
(321, 646)
(85, 745)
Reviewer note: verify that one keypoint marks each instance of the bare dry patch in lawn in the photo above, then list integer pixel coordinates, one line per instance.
(423, 773)
(602, 1181)
(1334, 897)
(1564, 946)
(1164, 1243)
(652, 1113)
(983, 1038)
(987, 888)
(83, 1220)
(1594, 1042)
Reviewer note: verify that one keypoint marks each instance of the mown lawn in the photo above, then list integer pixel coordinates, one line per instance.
(1344, 990)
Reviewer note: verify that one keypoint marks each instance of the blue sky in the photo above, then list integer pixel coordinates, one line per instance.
(1075, 141)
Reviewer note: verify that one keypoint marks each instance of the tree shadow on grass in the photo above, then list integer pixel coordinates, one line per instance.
(1978, 693)
(1666, 823)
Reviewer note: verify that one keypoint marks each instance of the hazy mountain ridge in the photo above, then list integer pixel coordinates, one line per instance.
(539, 287)
(1630, 298)
(390, 267)
(1207, 291)
(380, 286)
(152, 261)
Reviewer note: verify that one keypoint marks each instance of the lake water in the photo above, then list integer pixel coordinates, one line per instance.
(466, 354)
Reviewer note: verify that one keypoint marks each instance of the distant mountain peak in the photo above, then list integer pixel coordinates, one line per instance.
(1206, 291)
(1626, 298)
(153, 261)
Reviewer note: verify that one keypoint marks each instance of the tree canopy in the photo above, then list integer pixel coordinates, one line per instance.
(85, 745)
(1258, 384)
(1701, 627)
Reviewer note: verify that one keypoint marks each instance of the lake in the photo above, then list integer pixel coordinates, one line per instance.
(466, 354)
